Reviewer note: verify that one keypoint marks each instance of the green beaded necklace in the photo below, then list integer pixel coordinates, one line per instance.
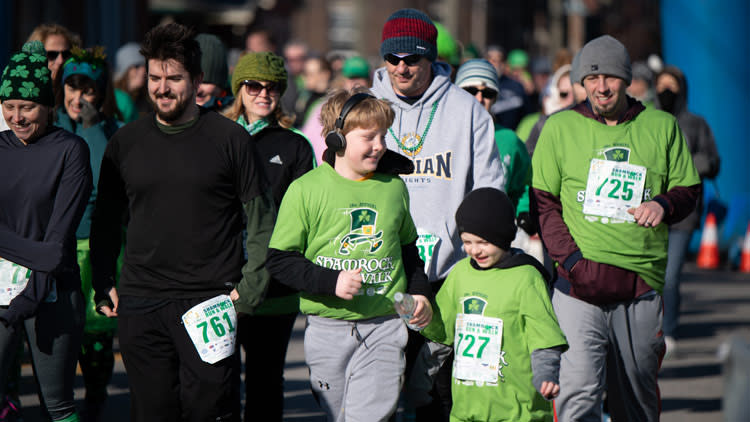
(411, 145)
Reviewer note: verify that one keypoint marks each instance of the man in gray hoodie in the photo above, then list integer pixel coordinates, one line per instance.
(446, 133)
(441, 128)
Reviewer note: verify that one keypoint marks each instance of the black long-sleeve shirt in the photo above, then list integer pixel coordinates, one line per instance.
(44, 190)
(185, 194)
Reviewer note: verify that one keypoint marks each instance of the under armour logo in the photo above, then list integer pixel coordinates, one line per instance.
(324, 385)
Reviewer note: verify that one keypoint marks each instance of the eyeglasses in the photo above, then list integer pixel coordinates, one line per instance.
(52, 55)
(255, 87)
(487, 93)
(409, 60)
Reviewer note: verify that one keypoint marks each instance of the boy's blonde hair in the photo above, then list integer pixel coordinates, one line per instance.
(368, 113)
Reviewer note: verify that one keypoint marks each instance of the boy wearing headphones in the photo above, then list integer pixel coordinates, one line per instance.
(345, 238)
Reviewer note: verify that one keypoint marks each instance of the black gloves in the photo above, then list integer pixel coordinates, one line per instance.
(524, 221)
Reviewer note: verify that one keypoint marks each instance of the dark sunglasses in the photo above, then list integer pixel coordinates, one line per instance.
(52, 55)
(255, 87)
(564, 94)
(488, 93)
(409, 60)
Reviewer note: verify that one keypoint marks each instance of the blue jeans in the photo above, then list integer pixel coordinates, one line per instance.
(678, 244)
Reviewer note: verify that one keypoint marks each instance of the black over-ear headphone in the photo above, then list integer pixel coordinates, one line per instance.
(335, 139)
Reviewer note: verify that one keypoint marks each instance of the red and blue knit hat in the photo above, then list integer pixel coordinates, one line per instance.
(409, 31)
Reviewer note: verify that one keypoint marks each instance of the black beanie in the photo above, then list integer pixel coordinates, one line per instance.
(489, 214)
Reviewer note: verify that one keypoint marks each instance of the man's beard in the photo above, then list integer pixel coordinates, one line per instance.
(172, 115)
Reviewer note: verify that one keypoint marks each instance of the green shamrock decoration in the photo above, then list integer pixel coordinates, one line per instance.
(474, 305)
(34, 58)
(29, 89)
(41, 74)
(618, 155)
(5, 89)
(364, 216)
(18, 57)
(19, 71)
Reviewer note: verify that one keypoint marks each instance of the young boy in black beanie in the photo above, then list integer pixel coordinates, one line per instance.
(495, 310)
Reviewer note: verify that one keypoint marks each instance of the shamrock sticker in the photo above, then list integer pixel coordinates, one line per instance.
(20, 70)
(41, 74)
(28, 89)
(5, 89)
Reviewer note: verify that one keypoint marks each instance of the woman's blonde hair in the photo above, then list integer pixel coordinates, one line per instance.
(41, 32)
(368, 113)
(237, 109)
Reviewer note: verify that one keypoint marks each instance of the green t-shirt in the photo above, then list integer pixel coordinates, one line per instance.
(516, 165)
(344, 224)
(519, 297)
(523, 130)
(567, 145)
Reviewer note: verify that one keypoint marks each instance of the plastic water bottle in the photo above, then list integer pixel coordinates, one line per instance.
(405, 305)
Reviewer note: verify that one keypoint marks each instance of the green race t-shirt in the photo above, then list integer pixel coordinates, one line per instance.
(518, 296)
(561, 166)
(344, 224)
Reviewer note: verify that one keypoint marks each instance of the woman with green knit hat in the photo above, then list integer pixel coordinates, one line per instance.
(46, 185)
(87, 107)
(258, 81)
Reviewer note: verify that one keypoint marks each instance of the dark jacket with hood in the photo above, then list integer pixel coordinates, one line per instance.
(699, 138)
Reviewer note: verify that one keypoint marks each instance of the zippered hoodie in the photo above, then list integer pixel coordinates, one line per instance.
(458, 155)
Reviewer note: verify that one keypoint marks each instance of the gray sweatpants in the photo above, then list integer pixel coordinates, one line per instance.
(617, 347)
(356, 367)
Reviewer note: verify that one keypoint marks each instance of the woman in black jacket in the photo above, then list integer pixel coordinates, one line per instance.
(258, 82)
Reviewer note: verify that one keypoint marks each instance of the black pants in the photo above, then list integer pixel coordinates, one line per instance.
(168, 380)
(440, 408)
(265, 339)
(97, 361)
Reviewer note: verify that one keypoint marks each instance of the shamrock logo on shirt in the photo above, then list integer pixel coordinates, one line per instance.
(474, 305)
(362, 230)
(619, 154)
(28, 89)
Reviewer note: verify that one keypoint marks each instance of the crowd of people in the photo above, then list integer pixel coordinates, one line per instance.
(193, 206)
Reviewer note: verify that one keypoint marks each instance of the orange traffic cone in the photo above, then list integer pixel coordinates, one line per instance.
(745, 258)
(708, 254)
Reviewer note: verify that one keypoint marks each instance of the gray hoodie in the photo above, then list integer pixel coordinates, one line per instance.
(457, 156)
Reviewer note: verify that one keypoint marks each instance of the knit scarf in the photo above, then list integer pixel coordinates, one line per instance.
(253, 127)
